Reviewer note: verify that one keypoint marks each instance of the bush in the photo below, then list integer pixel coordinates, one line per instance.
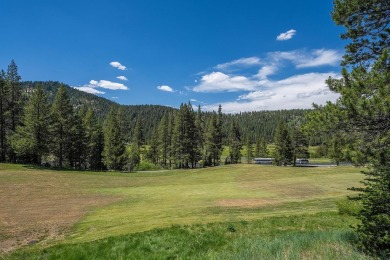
(347, 206)
(147, 166)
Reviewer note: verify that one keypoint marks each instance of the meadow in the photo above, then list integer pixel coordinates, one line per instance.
(233, 211)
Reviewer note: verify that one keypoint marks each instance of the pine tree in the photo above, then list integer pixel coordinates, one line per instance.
(138, 136)
(94, 141)
(3, 115)
(249, 148)
(15, 104)
(261, 148)
(335, 151)
(300, 144)
(61, 127)
(165, 140)
(235, 143)
(199, 135)
(124, 123)
(114, 147)
(362, 112)
(283, 154)
(77, 147)
(184, 137)
(31, 139)
(153, 152)
(212, 153)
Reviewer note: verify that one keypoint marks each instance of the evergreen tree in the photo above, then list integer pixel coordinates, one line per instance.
(219, 134)
(212, 152)
(3, 115)
(335, 151)
(184, 137)
(199, 135)
(165, 140)
(114, 147)
(300, 144)
(15, 105)
(171, 138)
(153, 152)
(261, 148)
(283, 154)
(138, 136)
(235, 143)
(362, 112)
(368, 31)
(124, 123)
(94, 141)
(77, 147)
(135, 156)
(31, 139)
(61, 127)
(249, 149)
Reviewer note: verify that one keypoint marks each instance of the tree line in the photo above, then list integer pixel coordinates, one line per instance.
(57, 132)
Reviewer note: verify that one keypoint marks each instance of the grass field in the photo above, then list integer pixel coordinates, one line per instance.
(42, 208)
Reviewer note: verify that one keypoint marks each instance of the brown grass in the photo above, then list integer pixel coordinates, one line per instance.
(41, 210)
(246, 203)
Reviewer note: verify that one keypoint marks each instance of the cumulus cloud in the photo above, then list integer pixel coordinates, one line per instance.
(299, 91)
(165, 88)
(107, 85)
(220, 82)
(117, 65)
(122, 78)
(286, 35)
(90, 90)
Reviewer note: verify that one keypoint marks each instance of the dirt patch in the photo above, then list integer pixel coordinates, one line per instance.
(42, 208)
(246, 203)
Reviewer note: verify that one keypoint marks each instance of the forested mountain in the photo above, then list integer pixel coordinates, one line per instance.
(253, 124)
(150, 114)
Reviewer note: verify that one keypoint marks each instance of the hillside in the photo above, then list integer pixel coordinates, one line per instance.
(256, 123)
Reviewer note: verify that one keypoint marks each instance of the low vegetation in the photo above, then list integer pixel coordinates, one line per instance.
(234, 211)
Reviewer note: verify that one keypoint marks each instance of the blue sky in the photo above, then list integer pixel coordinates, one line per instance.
(245, 55)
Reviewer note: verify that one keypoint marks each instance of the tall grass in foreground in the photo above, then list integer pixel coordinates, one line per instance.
(319, 236)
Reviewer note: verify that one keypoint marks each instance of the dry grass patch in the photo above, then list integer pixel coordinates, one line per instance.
(246, 203)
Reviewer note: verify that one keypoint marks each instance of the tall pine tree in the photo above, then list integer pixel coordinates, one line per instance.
(114, 147)
(61, 127)
(3, 115)
(283, 154)
(15, 102)
(31, 139)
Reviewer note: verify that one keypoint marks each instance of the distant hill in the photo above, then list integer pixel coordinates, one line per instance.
(254, 124)
(150, 114)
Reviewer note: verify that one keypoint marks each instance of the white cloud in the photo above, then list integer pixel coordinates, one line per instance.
(114, 97)
(220, 82)
(307, 59)
(165, 88)
(299, 91)
(117, 65)
(319, 58)
(286, 35)
(257, 95)
(243, 62)
(89, 90)
(107, 85)
(122, 78)
(266, 71)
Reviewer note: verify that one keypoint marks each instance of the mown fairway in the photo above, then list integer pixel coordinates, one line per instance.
(42, 206)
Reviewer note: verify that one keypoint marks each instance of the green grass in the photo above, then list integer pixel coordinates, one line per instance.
(247, 209)
(319, 236)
